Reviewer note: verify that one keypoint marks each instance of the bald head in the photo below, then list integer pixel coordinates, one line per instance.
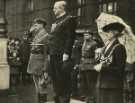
(59, 8)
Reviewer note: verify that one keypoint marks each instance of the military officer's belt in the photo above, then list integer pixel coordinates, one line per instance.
(37, 48)
(36, 52)
(36, 44)
(88, 60)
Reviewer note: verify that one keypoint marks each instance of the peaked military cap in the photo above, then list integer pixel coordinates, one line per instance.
(40, 21)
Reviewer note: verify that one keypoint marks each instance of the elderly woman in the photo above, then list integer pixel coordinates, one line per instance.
(111, 68)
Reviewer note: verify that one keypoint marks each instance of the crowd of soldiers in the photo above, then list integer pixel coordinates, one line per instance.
(61, 59)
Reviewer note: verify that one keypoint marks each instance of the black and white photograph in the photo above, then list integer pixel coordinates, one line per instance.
(67, 51)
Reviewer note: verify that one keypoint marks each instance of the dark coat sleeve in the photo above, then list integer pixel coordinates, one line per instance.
(120, 56)
(118, 59)
(70, 30)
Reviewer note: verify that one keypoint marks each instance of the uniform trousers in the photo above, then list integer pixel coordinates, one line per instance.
(39, 88)
(88, 82)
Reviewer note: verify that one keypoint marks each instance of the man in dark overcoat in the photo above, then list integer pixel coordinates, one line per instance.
(61, 41)
(113, 60)
(38, 60)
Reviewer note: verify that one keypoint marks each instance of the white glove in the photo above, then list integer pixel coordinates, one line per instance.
(98, 67)
(65, 57)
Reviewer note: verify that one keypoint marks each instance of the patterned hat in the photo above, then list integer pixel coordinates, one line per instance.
(114, 26)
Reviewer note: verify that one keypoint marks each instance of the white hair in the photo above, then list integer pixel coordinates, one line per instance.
(61, 4)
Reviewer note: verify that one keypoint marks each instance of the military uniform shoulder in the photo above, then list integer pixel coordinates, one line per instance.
(93, 42)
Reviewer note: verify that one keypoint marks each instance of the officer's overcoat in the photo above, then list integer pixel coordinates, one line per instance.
(38, 58)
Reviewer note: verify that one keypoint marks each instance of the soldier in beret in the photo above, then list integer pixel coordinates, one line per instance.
(38, 60)
(61, 42)
(112, 65)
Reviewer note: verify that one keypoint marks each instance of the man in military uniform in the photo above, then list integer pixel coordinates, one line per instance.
(111, 68)
(37, 65)
(87, 72)
(61, 41)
